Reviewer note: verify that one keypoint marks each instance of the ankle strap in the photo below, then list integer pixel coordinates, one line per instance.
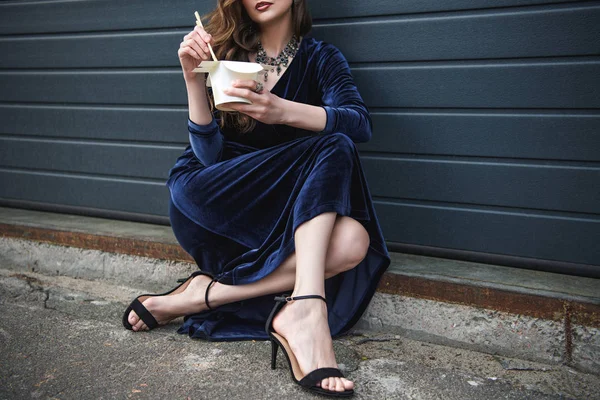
(214, 280)
(287, 299)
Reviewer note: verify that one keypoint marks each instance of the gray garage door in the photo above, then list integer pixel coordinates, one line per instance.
(486, 114)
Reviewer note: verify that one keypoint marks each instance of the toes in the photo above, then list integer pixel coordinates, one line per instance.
(348, 385)
(136, 323)
(336, 384)
(331, 385)
(339, 385)
(133, 318)
(139, 325)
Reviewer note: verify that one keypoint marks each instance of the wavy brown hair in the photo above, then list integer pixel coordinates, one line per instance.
(235, 36)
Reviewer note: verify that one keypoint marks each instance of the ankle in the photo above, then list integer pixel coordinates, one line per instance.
(299, 291)
(216, 295)
(308, 308)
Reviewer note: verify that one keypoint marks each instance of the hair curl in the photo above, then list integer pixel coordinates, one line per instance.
(235, 36)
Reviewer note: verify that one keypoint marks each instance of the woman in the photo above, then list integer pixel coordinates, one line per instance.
(271, 198)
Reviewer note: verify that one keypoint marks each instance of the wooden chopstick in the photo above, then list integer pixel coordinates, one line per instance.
(199, 23)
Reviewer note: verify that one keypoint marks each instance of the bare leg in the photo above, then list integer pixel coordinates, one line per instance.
(324, 240)
(325, 246)
(347, 247)
(312, 347)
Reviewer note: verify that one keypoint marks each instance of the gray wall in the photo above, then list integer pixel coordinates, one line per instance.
(487, 128)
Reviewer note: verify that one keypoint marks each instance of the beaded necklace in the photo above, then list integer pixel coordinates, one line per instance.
(276, 63)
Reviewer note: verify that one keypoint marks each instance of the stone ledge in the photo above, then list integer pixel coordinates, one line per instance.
(538, 304)
(485, 295)
(144, 247)
(533, 293)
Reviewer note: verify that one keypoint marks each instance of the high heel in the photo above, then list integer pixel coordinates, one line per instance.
(145, 315)
(274, 348)
(310, 380)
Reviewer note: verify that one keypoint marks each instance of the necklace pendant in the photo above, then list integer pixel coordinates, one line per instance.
(276, 63)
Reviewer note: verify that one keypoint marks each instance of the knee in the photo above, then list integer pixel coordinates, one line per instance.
(342, 142)
(175, 216)
(337, 145)
(351, 245)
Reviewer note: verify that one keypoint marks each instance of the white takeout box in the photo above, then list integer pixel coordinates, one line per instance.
(222, 73)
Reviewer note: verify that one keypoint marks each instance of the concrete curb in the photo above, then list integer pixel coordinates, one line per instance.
(86, 353)
(492, 331)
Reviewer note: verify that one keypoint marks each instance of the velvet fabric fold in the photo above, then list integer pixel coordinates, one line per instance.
(237, 199)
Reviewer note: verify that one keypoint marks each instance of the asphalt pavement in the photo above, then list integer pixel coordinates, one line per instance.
(62, 338)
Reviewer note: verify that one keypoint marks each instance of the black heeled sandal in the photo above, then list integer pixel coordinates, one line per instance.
(145, 315)
(310, 380)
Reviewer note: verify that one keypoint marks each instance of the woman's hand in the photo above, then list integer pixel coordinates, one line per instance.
(193, 50)
(266, 107)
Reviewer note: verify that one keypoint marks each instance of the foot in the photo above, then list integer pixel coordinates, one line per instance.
(312, 347)
(188, 300)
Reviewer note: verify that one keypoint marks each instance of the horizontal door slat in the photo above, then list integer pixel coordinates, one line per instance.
(524, 186)
(538, 33)
(84, 191)
(536, 85)
(564, 137)
(520, 85)
(149, 49)
(127, 160)
(97, 15)
(109, 123)
(101, 15)
(102, 87)
(552, 136)
(361, 8)
(518, 235)
(510, 234)
(509, 185)
(514, 135)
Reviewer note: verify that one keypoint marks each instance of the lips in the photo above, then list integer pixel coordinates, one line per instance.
(263, 6)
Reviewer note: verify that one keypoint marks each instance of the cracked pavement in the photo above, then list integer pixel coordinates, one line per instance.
(61, 338)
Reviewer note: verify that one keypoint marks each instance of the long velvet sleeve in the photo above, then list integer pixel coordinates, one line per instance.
(206, 141)
(345, 108)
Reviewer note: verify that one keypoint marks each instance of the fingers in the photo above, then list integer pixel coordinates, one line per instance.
(256, 112)
(246, 93)
(200, 36)
(190, 52)
(195, 44)
(245, 84)
(203, 34)
(263, 105)
(195, 47)
(246, 89)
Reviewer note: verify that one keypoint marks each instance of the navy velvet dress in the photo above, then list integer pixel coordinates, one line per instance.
(236, 199)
